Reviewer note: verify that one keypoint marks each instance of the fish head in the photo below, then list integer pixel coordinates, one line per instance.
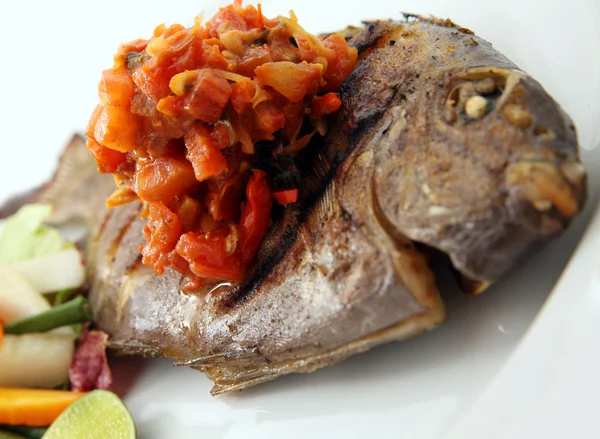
(471, 156)
(520, 144)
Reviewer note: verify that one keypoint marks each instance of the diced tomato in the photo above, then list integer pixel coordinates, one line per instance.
(252, 58)
(162, 233)
(293, 81)
(286, 197)
(256, 216)
(226, 19)
(209, 257)
(108, 160)
(328, 104)
(221, 135)
(91, 126)
(177, 49)
(172, 106)
(344, 62)
(116, 87)
(201, 94)
(182, 51)
(242, 94)
(251, 15)
(212, 57)
(117, 129)
(164, 178)
(205, 157)
(268, 118)
(209, 96)
(151, 82)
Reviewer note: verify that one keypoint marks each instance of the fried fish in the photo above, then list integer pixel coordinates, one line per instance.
(441, 142)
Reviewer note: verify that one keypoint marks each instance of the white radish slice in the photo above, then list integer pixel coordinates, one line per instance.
(18, 299)
(35, 360)
(52, 273)
(30, 360)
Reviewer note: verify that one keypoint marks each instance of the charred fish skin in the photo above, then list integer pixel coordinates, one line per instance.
(474, 159)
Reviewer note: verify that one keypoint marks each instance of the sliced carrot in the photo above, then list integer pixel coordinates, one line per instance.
(1, 332)
(286, 197)
(34, 407)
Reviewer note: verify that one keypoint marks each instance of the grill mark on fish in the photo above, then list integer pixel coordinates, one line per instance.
(110, 253)
(241, 294)
(129, 285)
(137, 263)
(321, 175)
(102, 227)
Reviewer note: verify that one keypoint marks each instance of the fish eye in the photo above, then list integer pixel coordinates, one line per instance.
(473, 98)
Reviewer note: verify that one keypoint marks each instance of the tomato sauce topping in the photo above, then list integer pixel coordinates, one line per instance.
(179, 122)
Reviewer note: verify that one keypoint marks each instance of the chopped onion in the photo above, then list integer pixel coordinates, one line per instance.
(51, 273)
(231, 76)
(30, 360)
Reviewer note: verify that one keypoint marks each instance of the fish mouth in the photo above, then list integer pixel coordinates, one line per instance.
(548, 186)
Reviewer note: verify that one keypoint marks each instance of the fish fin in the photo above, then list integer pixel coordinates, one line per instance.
(239, 358)
(234, 376)
(130, 347)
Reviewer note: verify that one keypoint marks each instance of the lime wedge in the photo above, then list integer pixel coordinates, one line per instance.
(98, 415)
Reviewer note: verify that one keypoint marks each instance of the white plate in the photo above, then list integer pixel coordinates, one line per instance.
(461, 380)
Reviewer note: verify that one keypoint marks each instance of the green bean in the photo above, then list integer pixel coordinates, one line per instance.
(69, 313)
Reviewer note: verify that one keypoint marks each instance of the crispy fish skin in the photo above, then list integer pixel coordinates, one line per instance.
(409, 159)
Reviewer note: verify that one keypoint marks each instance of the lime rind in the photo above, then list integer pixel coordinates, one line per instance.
(98, 415)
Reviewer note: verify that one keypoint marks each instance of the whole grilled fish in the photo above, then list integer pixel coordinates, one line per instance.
(441, 141)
